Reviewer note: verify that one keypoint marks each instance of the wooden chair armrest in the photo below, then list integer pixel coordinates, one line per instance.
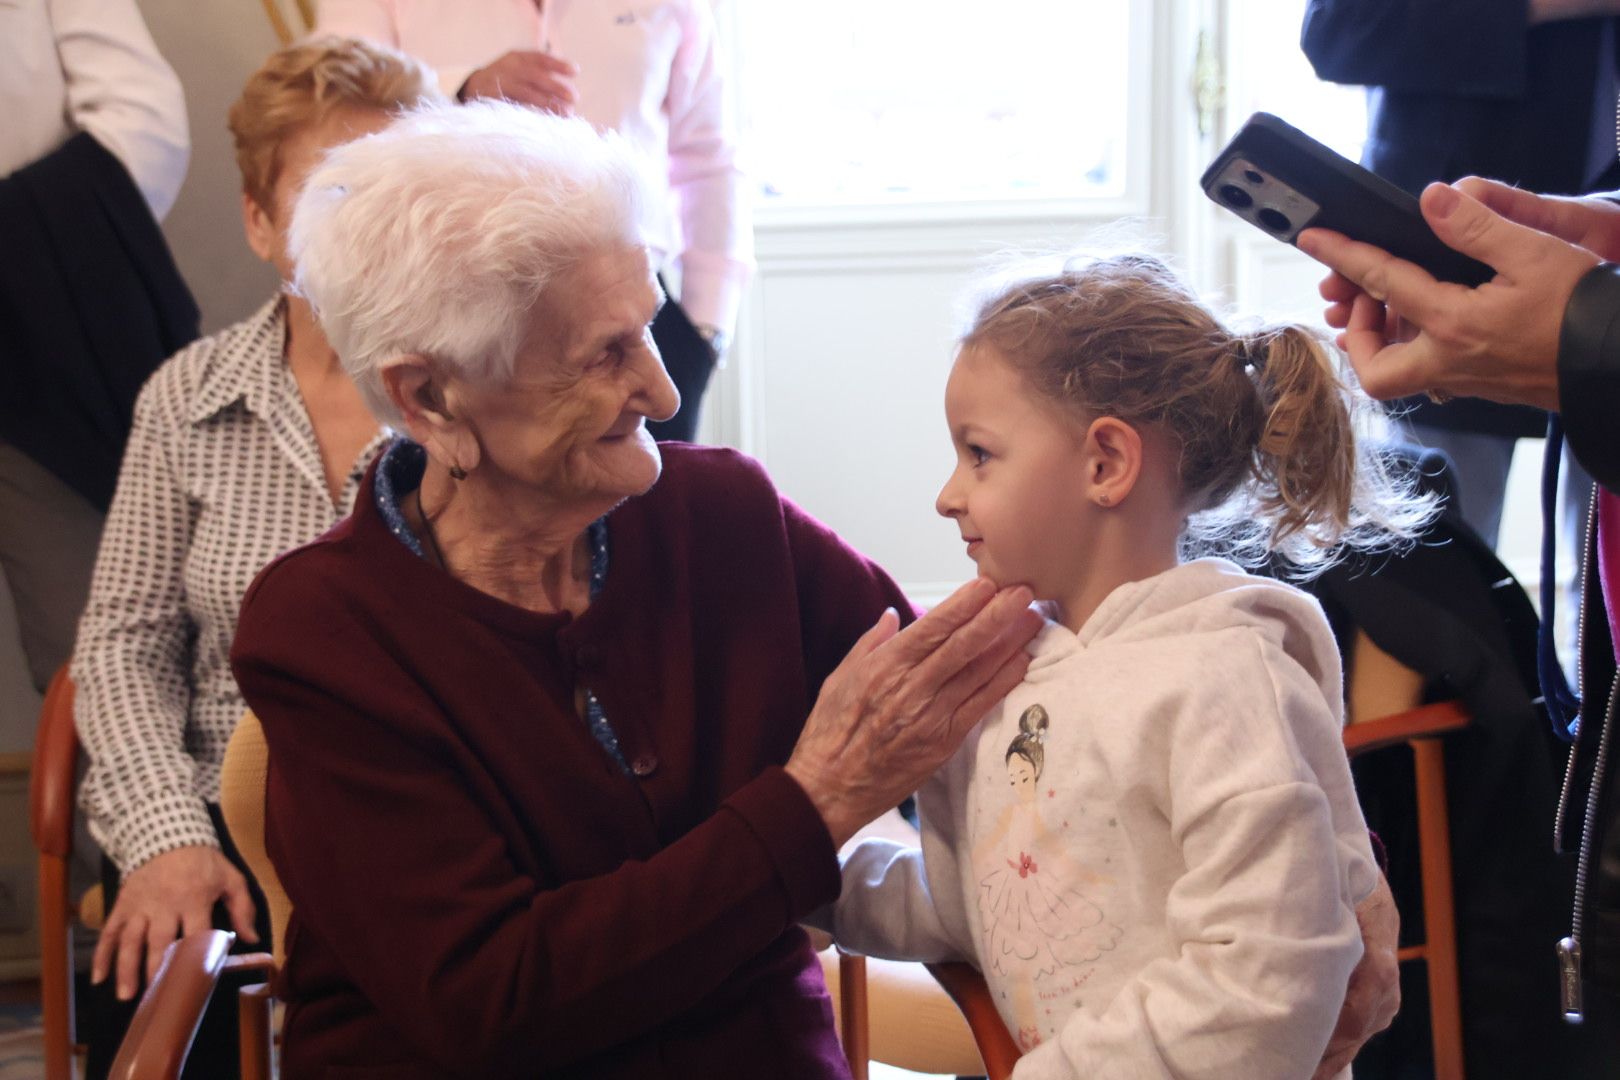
(966, 987)
(50, 783)
(166, 1020)
(1425, 722)
(251, 961)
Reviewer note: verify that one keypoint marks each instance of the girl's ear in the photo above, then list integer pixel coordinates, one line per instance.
(419, 391)
(1112, 460)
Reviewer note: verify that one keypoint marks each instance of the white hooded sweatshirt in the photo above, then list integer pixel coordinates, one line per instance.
(1167, 886)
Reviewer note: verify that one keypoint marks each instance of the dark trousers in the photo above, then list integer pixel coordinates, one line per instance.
(214, 1053)
(690, 362)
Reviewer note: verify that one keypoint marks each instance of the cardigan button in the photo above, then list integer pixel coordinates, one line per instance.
(588, 656)
(645, 765)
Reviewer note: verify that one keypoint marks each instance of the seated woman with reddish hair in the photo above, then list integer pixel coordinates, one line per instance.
(244, 444)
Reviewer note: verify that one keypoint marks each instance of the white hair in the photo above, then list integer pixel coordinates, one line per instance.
(436, 235)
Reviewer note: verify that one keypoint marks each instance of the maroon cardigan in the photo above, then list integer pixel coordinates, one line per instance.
(478, 889)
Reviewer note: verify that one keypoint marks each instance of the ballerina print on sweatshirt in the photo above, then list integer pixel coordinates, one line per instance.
(1038, 927)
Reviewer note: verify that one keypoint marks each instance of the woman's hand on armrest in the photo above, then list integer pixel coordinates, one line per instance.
(167, 897)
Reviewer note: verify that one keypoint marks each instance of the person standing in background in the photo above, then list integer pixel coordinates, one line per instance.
(1520, 90)
(1540, 333)
(92, 153)
(655, 74)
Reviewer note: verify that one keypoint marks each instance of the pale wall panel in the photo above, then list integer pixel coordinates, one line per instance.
(213, 48)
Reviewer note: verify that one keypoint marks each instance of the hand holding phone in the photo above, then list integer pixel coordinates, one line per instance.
(1498, 341)
(1282, 181)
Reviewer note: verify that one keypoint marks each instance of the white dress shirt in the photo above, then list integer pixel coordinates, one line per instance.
(221, 475)
(90, 65)
(648, 69)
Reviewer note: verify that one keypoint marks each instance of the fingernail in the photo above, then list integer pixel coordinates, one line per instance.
(1444, 200)
(1306, 242)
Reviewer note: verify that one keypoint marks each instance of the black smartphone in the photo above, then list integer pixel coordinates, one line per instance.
(1282, 181)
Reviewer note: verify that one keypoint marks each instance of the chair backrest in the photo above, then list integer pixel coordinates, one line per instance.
(241, 799)
(1377, 684)
(1384, 710)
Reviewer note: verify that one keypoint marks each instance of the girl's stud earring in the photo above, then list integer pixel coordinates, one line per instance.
(1104, 500)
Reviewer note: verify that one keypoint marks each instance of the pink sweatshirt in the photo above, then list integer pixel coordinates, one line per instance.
(649, 70)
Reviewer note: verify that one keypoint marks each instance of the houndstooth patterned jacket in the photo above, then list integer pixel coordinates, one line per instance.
(222, 473)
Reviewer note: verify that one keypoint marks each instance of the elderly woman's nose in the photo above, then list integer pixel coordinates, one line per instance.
(660, 399)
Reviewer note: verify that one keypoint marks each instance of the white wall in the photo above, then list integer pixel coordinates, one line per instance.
(213, 47)
(839, 380)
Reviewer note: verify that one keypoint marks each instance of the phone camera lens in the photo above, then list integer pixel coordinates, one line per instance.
(1274, 220)
(1254, 177)
(1233, 195)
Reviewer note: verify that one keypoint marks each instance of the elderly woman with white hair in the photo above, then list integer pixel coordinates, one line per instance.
(565, 727)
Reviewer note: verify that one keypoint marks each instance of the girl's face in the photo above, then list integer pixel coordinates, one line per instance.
(1016, 494)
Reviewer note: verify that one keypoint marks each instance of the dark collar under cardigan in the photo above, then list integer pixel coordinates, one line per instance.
(478, 889)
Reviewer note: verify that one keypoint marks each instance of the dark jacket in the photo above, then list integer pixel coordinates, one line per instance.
(478, 888)
(1464, 87)
(1589, 404)
(90, 304)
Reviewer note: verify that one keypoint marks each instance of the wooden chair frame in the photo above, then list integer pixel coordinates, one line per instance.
(1423, 729)
(50, 821)
(961, 984)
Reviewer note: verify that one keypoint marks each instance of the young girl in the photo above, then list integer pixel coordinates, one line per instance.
(1152, 847)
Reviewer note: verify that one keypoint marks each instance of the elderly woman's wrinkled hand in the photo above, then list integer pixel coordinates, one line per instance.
(1374, 994)
(1497, 341)
(901, 702)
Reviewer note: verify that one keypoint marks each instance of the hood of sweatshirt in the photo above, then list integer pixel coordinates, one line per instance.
(1203, 596)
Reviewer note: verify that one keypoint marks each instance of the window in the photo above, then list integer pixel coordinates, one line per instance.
(1268, 72)
(895, 101)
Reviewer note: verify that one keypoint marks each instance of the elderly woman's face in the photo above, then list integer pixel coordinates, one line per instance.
(571, 422)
